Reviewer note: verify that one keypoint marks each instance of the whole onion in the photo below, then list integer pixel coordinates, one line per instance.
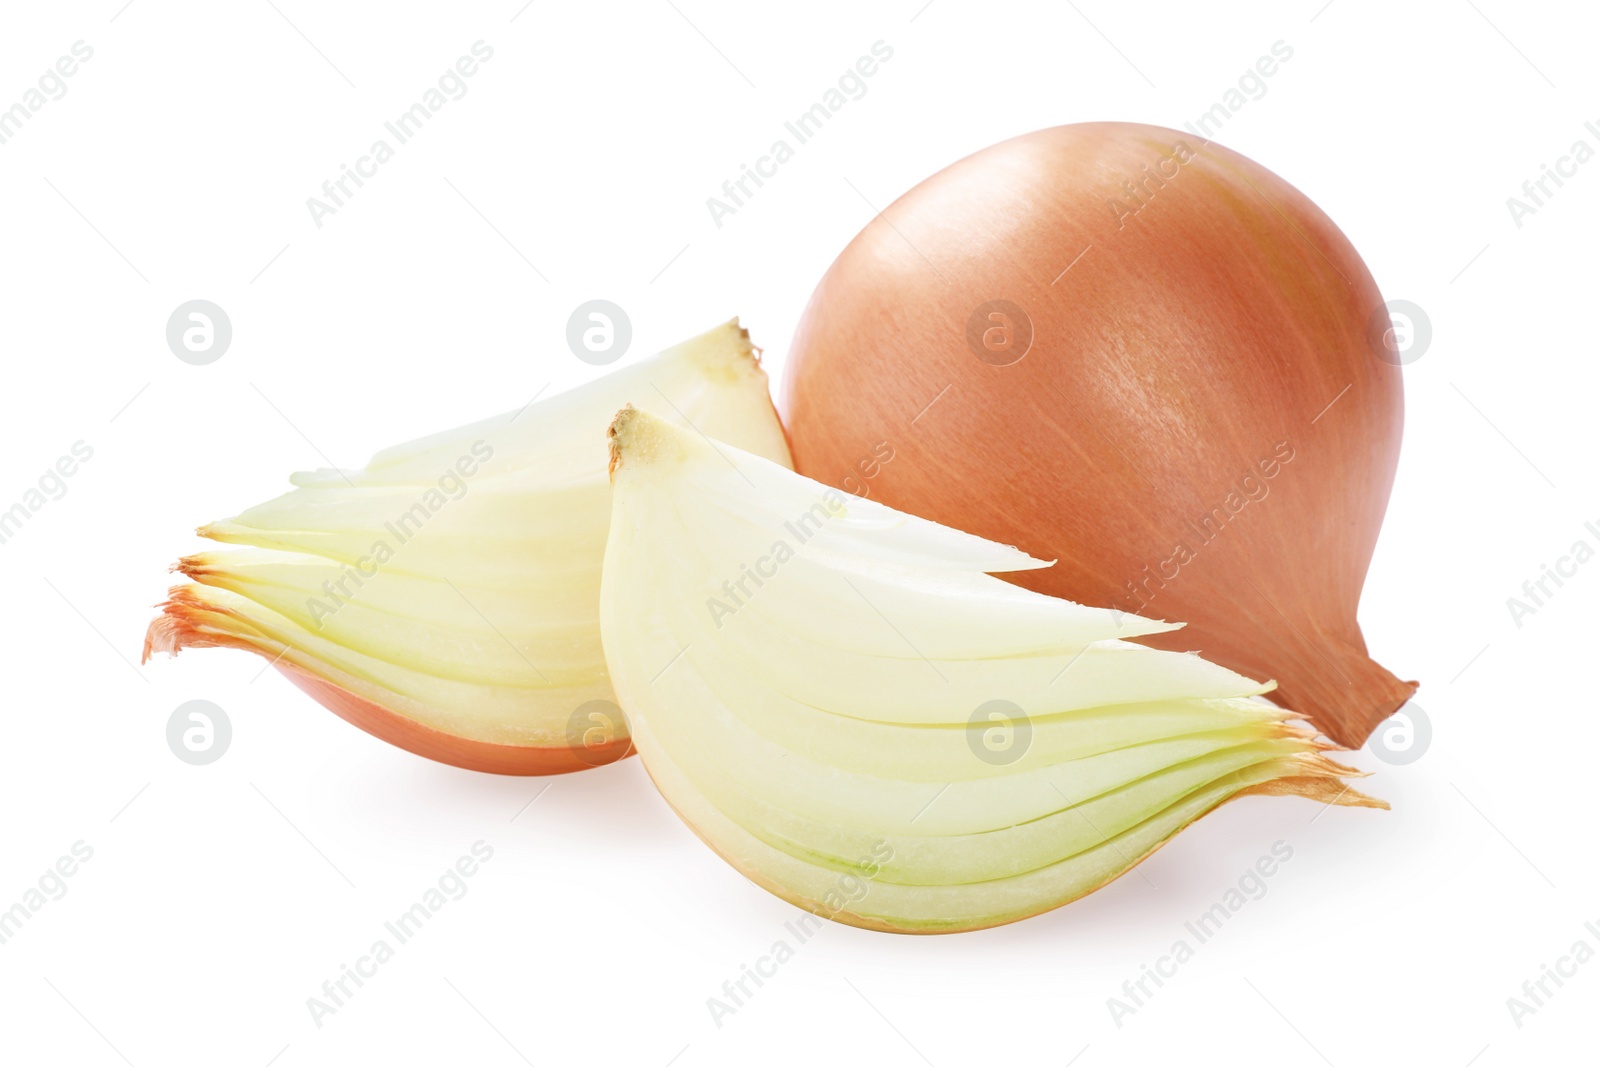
(1145, 356)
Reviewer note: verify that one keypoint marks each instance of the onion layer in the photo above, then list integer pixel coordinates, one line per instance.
(1140, 354)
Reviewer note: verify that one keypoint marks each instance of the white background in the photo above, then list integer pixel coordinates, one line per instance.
(220, 898)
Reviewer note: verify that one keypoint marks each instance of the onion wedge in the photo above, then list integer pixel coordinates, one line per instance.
(445, 597)
(843, 702)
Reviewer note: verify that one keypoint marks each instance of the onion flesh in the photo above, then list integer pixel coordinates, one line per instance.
(833, 693)
(445, 597)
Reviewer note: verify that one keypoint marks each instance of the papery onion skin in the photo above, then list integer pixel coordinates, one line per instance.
(1183, 343)
(183, 624)
(457, 751)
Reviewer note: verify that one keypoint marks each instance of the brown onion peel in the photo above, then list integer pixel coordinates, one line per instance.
(458, 751)
(188, 622)
(1179, 400)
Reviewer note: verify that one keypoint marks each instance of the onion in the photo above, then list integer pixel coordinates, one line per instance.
(445, 597)
(846, 704)
(1145, 356)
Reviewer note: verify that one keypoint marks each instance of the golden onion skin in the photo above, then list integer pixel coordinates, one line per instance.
(1151, 408)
